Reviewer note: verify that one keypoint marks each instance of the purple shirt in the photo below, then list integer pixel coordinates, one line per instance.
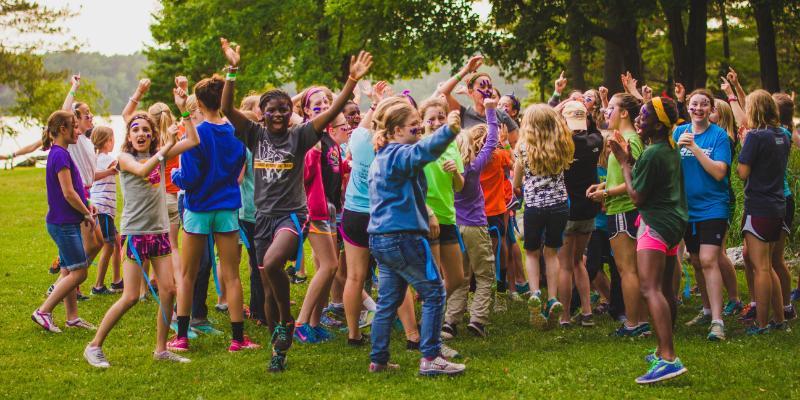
(470, 208)
(60, 211)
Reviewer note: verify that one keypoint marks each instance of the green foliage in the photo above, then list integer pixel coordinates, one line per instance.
(306, 42)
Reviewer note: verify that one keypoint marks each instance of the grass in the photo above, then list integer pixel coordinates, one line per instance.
(515, 362)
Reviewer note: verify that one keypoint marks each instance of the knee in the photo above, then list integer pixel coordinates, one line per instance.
(709, 261)
(167, 290)
(129, 300)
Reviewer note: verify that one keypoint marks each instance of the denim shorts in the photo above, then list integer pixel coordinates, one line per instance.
(107, 227)
(70, 245)
(208, 222)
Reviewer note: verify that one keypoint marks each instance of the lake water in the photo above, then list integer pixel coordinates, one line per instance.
(28, 134)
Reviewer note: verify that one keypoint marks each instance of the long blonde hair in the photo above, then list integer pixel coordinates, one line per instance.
(390, 113)
(761, 110)
(163, 118)
(547, 141)
(472, 141)
(726, 120)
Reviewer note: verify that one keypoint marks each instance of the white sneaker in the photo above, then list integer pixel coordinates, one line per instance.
(448, 352)
(95, 356)
(439, 366)
(167, 355)
(81, 323)
(45, 320)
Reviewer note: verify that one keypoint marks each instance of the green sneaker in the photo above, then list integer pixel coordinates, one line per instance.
(701, 319)
(732, 307)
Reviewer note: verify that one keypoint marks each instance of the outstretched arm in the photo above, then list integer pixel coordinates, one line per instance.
(76, 83)
(447, 88)
(359, 66)
(133, 101)
(239, 120)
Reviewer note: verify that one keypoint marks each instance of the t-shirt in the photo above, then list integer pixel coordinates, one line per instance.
(766, 151)
(657, 177)
(707, 197)
(601, 221)
(470, 118)
(356, 197)
(331, 169)
(59, 210)
(144, 205)
(441, 196)
(104, 191)
(582, 173)
(541, 190)
(492, 179)
(82, 153)
(621, 203)
(248, 210)
(278, 167)
(173, 163)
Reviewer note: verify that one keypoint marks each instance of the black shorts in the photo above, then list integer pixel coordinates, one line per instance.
(499, 222)
(354, 228)
(447, 235)
(623, 223)
(106, 223)
(711, 232)
(788, 219)
(765, 229)
(547, 223)
(269, 226)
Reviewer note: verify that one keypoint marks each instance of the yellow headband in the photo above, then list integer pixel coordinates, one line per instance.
(662, 115)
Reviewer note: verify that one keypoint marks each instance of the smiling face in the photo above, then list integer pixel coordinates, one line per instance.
(507, 105)
(316, 104)
(646, 123)
(340, 129)
(700, 108)
(411, 130)
(352, 114)
(589, 100)
(481, 89)
(613, 112)
(434, 118)
(277, 113)
(141, 135)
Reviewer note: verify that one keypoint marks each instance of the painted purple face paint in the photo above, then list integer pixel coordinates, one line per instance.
(415, 131)
(316, 110)
(485, 93)
(645, 114)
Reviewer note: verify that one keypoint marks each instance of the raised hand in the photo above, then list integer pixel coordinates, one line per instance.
(619, 147)
(561, 83)
(144, 86)
(461, 89)
(172, 135)
(454, 121)
(603, 91)
(490, 103)
(378, 91)
(726, 87)
(359, 66)
(647, 93)
(76, 81)
(231, 53)
(680, 92)
(733, 77)
(474, 63)
(179, 92)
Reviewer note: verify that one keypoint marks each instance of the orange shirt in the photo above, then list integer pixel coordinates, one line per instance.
(492, 183)
(173, 163)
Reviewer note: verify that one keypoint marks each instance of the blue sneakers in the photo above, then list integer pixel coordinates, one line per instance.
(323, 335)
(661, 370)
(651, 356)
(306, 334)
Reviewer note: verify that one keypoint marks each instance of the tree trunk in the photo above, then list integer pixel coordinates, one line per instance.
(614, 66)
(726, 44)
(696, 42)
(674, 16)
(575, 68)
(767, 53)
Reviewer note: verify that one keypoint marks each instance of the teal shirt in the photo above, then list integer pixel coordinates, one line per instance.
(248, 210)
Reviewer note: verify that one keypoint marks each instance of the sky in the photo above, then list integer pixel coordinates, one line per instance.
(123, 26)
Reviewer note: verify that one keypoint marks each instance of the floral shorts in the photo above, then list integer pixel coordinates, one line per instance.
(147, 246)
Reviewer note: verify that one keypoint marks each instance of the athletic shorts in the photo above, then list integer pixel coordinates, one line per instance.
(172, 209)
(447, 235)
(147, 246)
(354, 228)
(765, 229)
(623, 223)
(710, 232)
(326, 226)
(788, 219)
(268, 227)
(649, 239)
(579, 226)
(546, 223)
(106, 224)
(69, 241)
(496, 221)
(208, 222)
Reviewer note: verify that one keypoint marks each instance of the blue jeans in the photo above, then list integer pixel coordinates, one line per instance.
(401, 261)
(70, 245)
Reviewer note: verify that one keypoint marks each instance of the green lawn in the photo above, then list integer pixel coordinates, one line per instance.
(515, 362)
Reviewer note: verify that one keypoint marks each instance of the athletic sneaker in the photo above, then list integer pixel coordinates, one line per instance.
(586, 321)
(298, 279)
(95, 356)
(81, 296)
(323, 334)
(732, 307)
(55, 266)
(244, 344)
(448, 352)
(651, 356)
(190, 334)
(748, 313)
(374, 367)
(553, 310)
(306, 334)
(795, 295)
(626, 331)
(81, 323)
(716, 332)
(179, 344)
(523, 288)
(513, 204)
(282, 337)
(500, 304)
(755, 330)
(204, 327)
(782, 326)
(117, 287)
(278, 362)
(45, 320)
(535, 302)
(223, 308)
(439, 366)
(661, 370)
(102, 290)
(365, 319)
(336, 311)
(701, 319)
(330, 322)
(477, 329)
(167, 355)
(449, 331)
(642, 330)
(789, 314)
(361, 341)
(601, 308)
(515, 297)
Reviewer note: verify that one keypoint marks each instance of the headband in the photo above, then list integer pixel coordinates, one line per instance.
(662, 116)
(475, 77)
(310, 93)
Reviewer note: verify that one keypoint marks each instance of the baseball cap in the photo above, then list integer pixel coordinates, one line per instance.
(574, 112)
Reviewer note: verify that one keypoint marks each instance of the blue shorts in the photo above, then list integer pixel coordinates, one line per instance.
(208, 222)
(106, 224)
(68, 239)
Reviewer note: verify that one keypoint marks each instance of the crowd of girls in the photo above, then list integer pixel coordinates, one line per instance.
(423, 201)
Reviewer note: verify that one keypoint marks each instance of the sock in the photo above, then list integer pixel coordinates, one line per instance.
(706, 311)
(369, 304)
(183, 326)
(238, 330)
(719, 321)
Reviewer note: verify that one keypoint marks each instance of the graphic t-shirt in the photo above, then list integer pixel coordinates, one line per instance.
(582, 173)
(621, 203)
(707, 197)
(470, 118)
(331, 167)
(657, 177)
(278, 167)
(59, 210)
(441, 196)
(766, 151)
(104, 191)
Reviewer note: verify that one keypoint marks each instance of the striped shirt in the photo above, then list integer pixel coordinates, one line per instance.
(104, 191)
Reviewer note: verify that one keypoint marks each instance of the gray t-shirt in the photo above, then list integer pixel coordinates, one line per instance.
(278, 167)
(470, 118)
(144, 210)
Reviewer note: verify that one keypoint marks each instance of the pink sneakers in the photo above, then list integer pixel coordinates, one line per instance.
(245, 344)
(45, 320)
(178, 344)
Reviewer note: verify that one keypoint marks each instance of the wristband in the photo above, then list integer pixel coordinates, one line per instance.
(134, 101)
(556, 94)
(350, 78)
(72, 93)
(459, 77)
(507, 147)
(231, 76)
(231, 68)
(732, 99)
(185, 114)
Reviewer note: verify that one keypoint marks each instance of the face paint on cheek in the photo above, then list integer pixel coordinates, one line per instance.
(485, 93)
(643, 118)
(317, 110)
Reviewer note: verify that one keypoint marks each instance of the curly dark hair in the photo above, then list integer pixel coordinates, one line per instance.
(127, 146)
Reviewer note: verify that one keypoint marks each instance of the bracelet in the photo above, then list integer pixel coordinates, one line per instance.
(231, 68)
(231, 76)
(350, 78)
(732, 99)
(459, 77)
(507, 147)
(185, 114)
(134, 101)
(72, 93)
(556, 93)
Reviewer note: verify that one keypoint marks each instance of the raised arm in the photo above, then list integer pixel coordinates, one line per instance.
(133, 101)
(376, 95)
(192, 139)
(733, 78)
(239, 120)
(359, 66)
(447, 88)
(485, 154)
(76, 83)
(734, 101)
(23, 150)
(129, 164)
(559, 86)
